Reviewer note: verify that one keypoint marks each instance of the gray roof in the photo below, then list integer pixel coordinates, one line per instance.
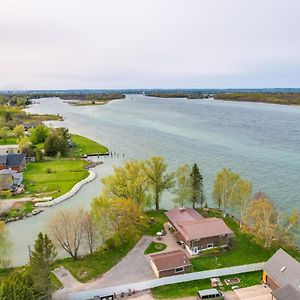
(12, 159)
(283, 269)
(287, 293)
(8, 171)
(208, 292)
(6, 182)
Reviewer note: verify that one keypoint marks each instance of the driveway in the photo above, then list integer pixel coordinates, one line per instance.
(256, 292)
(132, 268)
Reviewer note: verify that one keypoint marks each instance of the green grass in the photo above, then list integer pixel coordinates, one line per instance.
(155, 247)
(159, 220)
(83, 145)
(20, 209)
(190, 288)
(56, 284)
(9, 141)
(245, 249)
(96, 264)
(53, 178)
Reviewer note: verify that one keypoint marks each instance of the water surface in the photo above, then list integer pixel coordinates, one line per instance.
(259, 141)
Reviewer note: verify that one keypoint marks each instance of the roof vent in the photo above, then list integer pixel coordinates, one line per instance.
(282, 269)
(182, 209)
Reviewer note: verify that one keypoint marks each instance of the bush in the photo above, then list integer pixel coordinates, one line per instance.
(49, 170)
(113, 243)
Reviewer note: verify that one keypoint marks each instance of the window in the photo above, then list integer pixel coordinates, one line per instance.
(178, 270)
(210, 245)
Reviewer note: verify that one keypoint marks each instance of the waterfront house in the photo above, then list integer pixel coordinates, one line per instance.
(170, 263)
(196, 232)
(13, 161)
(282, 274)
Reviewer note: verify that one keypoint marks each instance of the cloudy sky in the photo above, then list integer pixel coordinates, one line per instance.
(61, 44)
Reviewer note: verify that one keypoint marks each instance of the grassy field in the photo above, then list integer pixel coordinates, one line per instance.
(96, 264)
(9, 141)
(155, 247)
(190, 288)
(159, 219)
(53, 178)
(83, 145)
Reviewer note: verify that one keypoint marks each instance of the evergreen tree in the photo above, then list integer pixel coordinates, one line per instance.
(40, 260)
(197, 193)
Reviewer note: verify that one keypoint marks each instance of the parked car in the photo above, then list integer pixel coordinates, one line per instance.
(211, 294)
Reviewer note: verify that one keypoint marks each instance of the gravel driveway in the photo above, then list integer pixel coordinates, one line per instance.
(132, 268)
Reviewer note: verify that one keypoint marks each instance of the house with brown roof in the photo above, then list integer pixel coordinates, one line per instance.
(282, 274)
(170, 263)
(198, 233)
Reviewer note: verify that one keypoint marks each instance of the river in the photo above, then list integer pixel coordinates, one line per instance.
(259, 141)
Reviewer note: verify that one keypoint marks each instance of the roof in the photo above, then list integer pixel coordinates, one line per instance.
(287, 293)
(193, 226)
(208, 292)
(177, 215)
(6, 181)
(283, 269)
(170, 260)
(8, 171)
(12, 159)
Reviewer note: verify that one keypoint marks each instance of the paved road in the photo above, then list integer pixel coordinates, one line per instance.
(132, 268)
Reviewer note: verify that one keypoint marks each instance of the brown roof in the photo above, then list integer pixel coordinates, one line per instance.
(193, 226)
(177, 215)
(170, 260)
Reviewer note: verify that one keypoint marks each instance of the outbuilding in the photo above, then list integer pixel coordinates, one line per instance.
(282, 274)
(170, 263)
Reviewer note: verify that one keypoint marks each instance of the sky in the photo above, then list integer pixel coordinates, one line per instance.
(82, 44)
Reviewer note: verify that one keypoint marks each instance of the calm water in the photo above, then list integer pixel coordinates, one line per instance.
(259, 141)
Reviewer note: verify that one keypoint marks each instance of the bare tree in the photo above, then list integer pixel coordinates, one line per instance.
(90, 232)
(67, 229)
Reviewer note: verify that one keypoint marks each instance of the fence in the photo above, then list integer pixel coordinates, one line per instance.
(144, 285)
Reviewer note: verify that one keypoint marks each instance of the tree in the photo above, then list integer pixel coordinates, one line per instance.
(66, 228)
(159, 180)
(38, 134)
(243, 198)
(41, 258)
(183, 188)
(19, 131)
(123, 217)
(5, 246)
(128, 182)
(39, 155)
(4, 134)
(90, 232)
(54, 144)
(269, 224)
(25, 146)
(225, 188)
(197, 193)
(18, 286)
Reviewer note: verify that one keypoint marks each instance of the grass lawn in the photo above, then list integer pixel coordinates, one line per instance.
(245, 250)
(96, 264)
(53, 178)
(19, 209)
(83, 145)
(155, 247)
(190, 288)
(159, 219)
(9, 141)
